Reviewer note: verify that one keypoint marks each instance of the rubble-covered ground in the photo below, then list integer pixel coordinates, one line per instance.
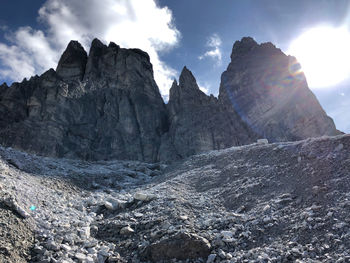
(280, 202)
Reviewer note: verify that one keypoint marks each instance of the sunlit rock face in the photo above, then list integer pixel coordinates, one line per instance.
(199, 123)
(268, 90)
(102, 106)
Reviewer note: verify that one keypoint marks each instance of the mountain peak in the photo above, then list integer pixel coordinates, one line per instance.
(72, 62)
(243, 46)
(97, 43)
(4, 85)
(187, 80)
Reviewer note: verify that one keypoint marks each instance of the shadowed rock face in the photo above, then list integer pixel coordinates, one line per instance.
(270, 93)
(106, 105)
(116, 112)
(72, 63)
(199, 123)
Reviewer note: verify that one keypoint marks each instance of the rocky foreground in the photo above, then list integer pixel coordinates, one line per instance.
(280, 202)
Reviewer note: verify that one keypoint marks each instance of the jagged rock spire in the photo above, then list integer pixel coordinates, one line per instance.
(187, 80)
(73, 62)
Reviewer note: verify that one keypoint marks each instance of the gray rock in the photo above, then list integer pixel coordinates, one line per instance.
(106, 108)
(106, 105)
(211, 258)
(181, 247)
(72, 63)
(12, 203)
(144, 196)
(270, 93)
(199, 123)
(127, 230)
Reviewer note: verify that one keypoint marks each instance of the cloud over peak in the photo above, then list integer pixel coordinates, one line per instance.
(214, 44)
(129, 23)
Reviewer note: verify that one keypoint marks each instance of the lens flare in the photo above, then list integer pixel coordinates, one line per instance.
(324, 55)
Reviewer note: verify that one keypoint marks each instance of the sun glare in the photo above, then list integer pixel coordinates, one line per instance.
(324, 55)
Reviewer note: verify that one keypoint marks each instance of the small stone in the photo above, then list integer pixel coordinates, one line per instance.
(227, 236)
(262, 141)
(138, 215)
(339, 147)
(144, 197)
(101, 259)
(52, 245)
(84, 232)
(211, 258)
(11, 203)
(183, 217)
(127, 230)
(221, 254)
(91, 250)
(108, 205)
(66, 247)
(80, 256)
(114, 259)
(90, 244)
(104, 253)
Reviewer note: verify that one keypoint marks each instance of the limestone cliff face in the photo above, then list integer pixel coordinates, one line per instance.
(268, 90)
(104, 106)
(199, 123)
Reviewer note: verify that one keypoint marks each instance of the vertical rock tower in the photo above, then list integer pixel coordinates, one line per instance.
(270, 93)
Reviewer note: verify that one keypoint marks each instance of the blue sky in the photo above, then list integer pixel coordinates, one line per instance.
(195, 33)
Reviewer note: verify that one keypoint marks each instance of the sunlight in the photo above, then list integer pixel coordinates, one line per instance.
(324, 54)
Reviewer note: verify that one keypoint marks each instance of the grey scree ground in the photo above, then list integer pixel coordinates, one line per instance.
(280, 202)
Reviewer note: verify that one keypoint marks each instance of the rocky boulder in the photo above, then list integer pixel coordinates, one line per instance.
(179, 247)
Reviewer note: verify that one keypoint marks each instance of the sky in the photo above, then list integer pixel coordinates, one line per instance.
(175, 33)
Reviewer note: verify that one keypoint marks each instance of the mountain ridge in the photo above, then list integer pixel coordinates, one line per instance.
(107, 105)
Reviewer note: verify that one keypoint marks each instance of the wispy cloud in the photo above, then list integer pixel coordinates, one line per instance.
(129, 23)
(214, 44)
(205, 87)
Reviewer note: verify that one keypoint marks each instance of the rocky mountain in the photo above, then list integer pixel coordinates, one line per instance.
(279, 202)
(270, 93)
(106, 105)
(102, 106)
(199, 123)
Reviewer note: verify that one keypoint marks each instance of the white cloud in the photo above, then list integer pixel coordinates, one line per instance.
(214, 43)
(129, 23)
(204, 87)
